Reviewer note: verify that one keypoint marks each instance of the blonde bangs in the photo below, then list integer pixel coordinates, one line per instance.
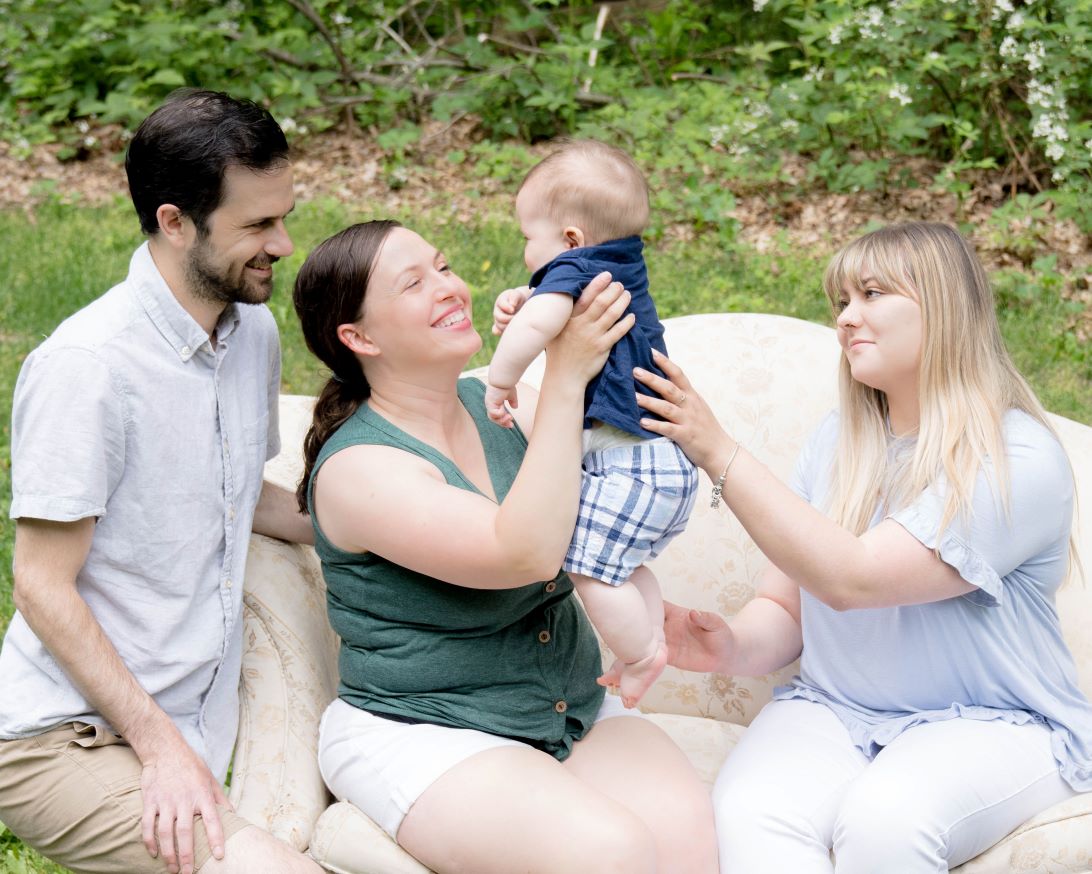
(870, 257)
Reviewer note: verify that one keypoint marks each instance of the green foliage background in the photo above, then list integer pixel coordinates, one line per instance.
(695, 89)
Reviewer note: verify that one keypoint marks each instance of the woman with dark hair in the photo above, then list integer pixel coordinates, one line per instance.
(468, 712)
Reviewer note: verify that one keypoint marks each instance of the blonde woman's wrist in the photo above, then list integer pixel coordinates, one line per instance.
(718, 472)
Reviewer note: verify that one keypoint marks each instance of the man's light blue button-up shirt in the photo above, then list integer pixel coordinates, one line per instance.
(128, 413)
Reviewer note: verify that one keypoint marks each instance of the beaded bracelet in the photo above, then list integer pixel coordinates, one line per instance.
(718, 487)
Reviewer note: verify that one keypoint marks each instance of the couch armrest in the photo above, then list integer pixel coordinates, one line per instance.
(289, 675)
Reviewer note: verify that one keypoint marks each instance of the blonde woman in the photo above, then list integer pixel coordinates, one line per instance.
(913, 567)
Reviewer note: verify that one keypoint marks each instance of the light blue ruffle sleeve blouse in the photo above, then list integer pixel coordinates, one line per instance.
(994, 653)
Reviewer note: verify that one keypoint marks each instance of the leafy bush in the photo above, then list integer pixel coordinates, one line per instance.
(698, 90)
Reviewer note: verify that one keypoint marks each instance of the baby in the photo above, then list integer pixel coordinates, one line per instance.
(582, 210)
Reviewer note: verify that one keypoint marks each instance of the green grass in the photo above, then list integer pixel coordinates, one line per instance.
(60, 257)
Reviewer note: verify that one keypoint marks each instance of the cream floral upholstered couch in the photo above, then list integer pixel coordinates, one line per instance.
(770, 379)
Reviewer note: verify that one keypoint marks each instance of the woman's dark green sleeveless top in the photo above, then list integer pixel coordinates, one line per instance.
(515, 662)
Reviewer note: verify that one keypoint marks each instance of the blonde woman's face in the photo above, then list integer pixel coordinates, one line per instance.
(880, 331)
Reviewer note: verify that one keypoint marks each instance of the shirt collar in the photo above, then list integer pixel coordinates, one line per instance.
(170, 318)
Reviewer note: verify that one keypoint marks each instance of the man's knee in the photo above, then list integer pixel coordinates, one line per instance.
(254, 851)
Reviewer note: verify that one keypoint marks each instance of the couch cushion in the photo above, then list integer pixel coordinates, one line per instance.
(1057, 840)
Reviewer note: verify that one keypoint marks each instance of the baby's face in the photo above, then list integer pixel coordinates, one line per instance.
(545, 237)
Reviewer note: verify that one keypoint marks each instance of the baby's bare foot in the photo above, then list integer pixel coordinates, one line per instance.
(636, 677)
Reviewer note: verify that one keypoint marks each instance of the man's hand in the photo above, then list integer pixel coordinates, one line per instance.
(495, 399)
(177, 786)
(507, 305)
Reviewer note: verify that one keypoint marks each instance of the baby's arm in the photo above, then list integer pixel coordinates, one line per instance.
(539, 320)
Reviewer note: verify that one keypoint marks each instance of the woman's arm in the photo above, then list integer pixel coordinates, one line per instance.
(763, 637)
(884, 567)
(384, 500)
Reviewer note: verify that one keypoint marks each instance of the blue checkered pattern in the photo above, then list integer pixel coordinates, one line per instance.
(634, 500)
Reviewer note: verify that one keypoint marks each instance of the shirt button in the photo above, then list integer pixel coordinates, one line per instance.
(227, 583)
(185, 350)
(551, 586)
(544, 637)
(561, 707)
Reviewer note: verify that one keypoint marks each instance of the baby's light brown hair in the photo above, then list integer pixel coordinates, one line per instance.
(593, 186)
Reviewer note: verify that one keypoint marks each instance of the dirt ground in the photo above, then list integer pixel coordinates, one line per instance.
(349, 168)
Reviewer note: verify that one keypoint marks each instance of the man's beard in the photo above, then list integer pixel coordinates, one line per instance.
(208, 282)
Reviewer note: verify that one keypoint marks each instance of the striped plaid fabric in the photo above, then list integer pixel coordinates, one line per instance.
(633, 501)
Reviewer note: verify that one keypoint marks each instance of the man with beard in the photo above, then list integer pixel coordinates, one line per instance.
(140, 429)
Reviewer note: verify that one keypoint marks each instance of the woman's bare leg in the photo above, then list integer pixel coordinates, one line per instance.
(633, 761)
(516, 809)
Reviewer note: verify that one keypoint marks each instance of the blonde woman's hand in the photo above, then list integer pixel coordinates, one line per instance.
(686, 417)
(697, 640)
(596, 324)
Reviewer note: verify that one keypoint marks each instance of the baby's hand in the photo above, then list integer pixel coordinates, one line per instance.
(494, 404)
(507, 305)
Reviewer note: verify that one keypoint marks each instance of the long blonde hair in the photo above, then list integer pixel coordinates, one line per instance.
(967, 381)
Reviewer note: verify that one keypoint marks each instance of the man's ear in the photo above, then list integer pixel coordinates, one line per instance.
(172, 224)
(574, 237)
(355, 340)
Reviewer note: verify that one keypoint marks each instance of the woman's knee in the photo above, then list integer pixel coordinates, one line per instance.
(619, 843)
(880, 832)
(686, 834)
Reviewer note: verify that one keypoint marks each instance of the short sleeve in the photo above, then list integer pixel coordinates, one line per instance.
(989, 543)
(815, 458)
(68, 437)
(565, 276)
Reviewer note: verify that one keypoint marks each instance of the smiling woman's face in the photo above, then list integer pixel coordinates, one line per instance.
(416, 305)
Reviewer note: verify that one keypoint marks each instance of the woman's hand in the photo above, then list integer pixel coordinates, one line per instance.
(595, 326)
(696, 639)
(687, 418)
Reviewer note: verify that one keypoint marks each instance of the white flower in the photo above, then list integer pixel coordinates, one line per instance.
(338, 18)
(790, 126)
(717, 134)
(89, 141)
(1088, 145)
(289, 125)
(1015, 22)
(760, 5)
(872, 25)
(835, 35)
(1000, 8)
(82, 126)
(1055, 151)
(900, 92)
(1008, 47)
(1035, 55)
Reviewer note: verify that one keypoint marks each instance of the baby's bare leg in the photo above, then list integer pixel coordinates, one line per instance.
(629, 617)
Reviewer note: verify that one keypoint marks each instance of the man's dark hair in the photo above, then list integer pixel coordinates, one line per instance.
(180, 152)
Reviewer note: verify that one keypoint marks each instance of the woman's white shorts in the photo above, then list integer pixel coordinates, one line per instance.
(382, 766)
